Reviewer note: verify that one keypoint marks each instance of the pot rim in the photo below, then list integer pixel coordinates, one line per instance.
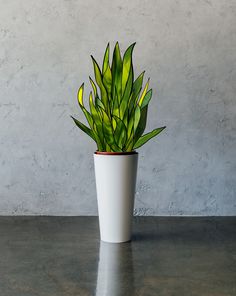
(114, 153)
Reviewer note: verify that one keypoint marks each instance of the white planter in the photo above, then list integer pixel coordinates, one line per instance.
(115, 182)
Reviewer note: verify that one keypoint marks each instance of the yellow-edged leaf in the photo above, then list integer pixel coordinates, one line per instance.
(143, 93)
(80, 94)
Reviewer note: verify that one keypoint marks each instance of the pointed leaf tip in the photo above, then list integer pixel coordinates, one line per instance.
(145, 138)
(80, 94)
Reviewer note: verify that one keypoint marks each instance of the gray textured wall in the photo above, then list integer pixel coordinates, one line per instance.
(188, 48)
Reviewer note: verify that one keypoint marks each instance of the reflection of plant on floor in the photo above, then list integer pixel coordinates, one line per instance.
(118, 114)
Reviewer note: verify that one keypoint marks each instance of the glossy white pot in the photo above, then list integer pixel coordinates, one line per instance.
(115, 182)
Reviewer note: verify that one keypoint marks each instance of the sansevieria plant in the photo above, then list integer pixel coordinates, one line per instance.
(117, 113)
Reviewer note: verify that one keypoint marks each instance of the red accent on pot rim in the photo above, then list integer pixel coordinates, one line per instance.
(115, 153)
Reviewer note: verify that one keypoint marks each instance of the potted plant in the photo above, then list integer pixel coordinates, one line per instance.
(117, 120)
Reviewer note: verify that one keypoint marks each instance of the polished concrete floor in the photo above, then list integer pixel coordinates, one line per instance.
(54, 256)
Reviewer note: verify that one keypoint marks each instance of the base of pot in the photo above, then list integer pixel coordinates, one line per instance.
(116, 242)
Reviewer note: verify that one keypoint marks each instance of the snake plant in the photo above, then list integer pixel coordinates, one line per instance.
(118, 112)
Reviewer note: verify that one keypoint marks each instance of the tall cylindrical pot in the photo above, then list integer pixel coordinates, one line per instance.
(115, 175)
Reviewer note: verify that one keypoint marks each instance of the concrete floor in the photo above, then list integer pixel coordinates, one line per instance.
(54, 256)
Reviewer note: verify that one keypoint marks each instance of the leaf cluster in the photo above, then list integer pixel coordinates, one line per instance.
(118, 104)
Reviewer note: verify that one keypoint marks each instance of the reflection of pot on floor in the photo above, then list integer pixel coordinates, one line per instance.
(115, 270)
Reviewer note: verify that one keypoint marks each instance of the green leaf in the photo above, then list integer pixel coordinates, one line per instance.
(114, 124)
(106, 72)
(127, 64)
(125, 100)
(108, 132)
(107, 81)
(99, 103)
(120, 133)
(94, 87)
(137, 115)
(106, 59)
(108, 148)
(89, 118)
(116, 107)
(81, 104)
(143, 93)
(130, 143)
(142, 123)
(80, 95)
(97, 139)
(125, 118)
(130, 124)
(84, 128)
(94, 112)
(147, 98)
(137, 86)
(142, 140)
(116, 69)
(134, 120)
(97, 121)
(98, 78)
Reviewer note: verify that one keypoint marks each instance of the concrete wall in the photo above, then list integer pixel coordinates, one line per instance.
(187, 47)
